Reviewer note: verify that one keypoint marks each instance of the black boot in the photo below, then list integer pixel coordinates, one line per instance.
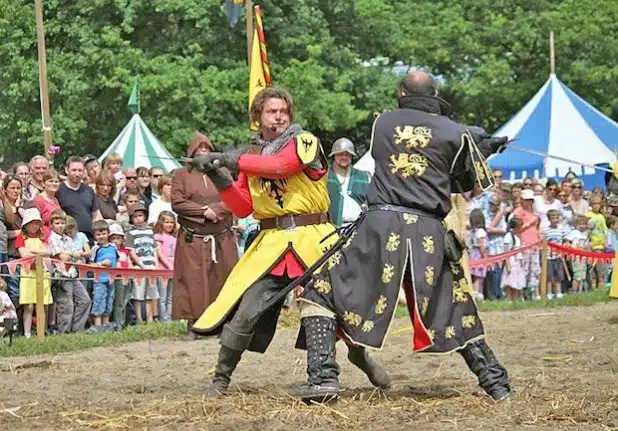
(233, 344)
(492, 376)
(377, 375)
(322, 368)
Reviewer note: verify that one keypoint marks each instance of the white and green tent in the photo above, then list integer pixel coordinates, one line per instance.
(137, 145)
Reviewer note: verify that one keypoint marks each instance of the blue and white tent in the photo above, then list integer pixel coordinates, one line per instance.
(560, 123)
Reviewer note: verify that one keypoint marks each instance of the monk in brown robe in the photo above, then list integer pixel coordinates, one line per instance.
(206, 250)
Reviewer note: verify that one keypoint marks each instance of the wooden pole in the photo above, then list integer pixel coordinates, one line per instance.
(552, 54)
(544, 256)
(41, 319)
(249, 15)
(44, 93)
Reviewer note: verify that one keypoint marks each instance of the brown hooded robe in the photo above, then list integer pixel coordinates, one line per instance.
(197, 278)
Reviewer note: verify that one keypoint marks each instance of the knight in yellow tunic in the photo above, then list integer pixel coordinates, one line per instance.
(282, 182)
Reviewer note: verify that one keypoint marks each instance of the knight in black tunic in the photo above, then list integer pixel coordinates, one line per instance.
(421, 156)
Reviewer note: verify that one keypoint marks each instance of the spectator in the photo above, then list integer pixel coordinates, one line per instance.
(164, 202)
(612, 202)
(513, 275)
(14, 211)
(516, 191)
(143, 185)
(578, 204)
(77, 199)
(38, 167)
(612, 235)
(156, 173)
(7, 308)
(529, 183)
(347, 186)
(579, 239)
(104, 254)
(113, 163)
(546, 202)
(496, 229)
(538, 189)
(478, 239)
(130, 185)
(166, 231)
(70, 296)
(126, 259)
(93, 169)
(105, 189)
(566, 212)
(32, 242)
(22, 171)
(80, 240)
(570, 176)
(140, 238)
(498, 177)
(598, 236)
(555, 234)
(529, 235)
(46, 201)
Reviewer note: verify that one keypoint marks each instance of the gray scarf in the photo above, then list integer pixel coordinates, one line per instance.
(274, 146)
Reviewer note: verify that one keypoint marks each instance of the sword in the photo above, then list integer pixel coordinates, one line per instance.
(216, 163)
(551, 156)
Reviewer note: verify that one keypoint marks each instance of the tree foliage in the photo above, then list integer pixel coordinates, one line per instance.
(336, 57)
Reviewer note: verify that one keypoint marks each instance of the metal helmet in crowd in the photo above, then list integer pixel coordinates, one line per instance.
(343, 145)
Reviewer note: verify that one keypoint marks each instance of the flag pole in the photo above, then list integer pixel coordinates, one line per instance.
(249, 12)
(262, 40)
(552, 54)
(43, 84)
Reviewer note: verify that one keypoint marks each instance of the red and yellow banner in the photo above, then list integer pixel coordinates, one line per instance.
(259, 68)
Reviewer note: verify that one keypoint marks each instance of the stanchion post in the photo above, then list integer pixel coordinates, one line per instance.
(41, 319)
(544, 256)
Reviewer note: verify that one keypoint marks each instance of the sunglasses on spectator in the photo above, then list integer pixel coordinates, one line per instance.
(576, 187)
(157, 176)
(131, 178)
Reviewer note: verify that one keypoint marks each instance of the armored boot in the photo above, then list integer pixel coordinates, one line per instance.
(492, 376)
(233, 344)
(377, 375)
(322, 368)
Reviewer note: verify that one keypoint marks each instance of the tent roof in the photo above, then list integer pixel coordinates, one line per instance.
(558, 122)
(139, 147)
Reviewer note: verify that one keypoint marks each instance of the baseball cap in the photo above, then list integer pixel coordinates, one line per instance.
(116, 229)
(527, 195)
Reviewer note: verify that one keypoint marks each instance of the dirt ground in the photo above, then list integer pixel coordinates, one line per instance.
(562, 362)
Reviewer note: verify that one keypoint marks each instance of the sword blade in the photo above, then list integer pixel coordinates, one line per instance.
(551, 156)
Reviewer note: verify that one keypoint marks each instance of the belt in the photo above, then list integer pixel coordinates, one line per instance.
(291, 221)
(402, 209)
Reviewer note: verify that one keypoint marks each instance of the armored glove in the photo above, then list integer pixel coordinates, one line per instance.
(493, 145)
(212, 161)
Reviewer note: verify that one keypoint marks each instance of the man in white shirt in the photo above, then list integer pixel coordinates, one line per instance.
(347, 186)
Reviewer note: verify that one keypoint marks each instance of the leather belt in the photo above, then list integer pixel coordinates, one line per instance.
(291, 221)
(402, 209)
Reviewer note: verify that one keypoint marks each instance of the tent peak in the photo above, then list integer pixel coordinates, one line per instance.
(134, 99)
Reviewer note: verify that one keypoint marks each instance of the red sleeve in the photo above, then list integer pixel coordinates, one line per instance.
(237, 197)
(276, 167)
(20, 241)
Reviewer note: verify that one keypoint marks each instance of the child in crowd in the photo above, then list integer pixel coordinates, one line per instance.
(513, 276)
(130, 198)
(80, 240)
(598, 235)
(104, 254)
(113, 163)
(166, 231)
(578, 238)
(32, 242)
(478, 238)
(70, 296)
(7, 309)
(555, 233)
(612, 235)
(126, 259)
(140, 238)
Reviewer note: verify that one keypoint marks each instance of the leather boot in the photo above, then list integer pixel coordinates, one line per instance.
(233, 344)
(377, 375)
(322, 368)
(492, 376)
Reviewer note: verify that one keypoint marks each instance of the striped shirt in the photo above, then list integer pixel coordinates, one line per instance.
(555, 235)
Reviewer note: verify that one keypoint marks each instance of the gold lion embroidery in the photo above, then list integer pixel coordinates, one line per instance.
(468, 321)
(322, 286)
(455, 268)
(387, 273)
(381, 304)
(480, 170)
(428, 245)
(432, 334)
(367, 326)
(425, 306)
(459, 292)
(352, 319)
(410, 218)
(429, 274)
(334, 260)
(349, 241)
(393, 242)
(408, 164)
(412, 137)
(449, 332)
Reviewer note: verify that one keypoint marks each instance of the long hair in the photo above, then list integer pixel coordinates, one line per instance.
(158, 228)
(255, 113)
(477, 219)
